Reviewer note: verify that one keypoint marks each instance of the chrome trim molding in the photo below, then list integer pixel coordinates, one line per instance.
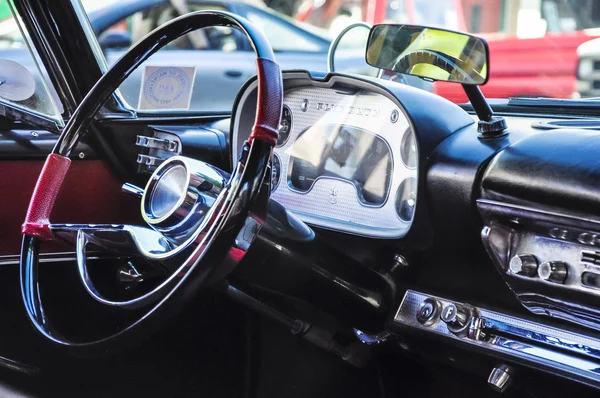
(568, 354)
(562, 278)
(13, 260)
(19, 367)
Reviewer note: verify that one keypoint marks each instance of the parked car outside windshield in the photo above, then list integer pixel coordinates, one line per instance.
(533, 43)
(215, 87)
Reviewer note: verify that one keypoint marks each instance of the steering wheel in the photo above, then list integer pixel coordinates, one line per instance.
(201, 221)
(407, 61)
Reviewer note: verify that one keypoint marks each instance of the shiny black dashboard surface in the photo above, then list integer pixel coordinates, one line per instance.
(480, 212)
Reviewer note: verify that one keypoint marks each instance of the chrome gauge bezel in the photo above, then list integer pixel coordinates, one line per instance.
(275, 184)
(406, 135)
(282, 143)
(351, 217)
(400, 197)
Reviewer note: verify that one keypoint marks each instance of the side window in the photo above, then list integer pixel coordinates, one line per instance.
(24, 82)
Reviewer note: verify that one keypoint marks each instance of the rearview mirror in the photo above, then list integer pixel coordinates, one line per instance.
(431, 53)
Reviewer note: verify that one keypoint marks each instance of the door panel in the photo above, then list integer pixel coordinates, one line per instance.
(91, 194)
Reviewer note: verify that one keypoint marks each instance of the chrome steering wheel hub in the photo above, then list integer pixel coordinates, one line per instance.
(179, 195)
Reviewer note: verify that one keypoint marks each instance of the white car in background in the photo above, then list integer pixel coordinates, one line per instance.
(588, 70)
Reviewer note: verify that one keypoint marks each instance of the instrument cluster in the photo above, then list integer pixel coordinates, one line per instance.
(346, 160)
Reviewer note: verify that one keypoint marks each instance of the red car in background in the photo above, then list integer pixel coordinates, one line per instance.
(520, 34)
(517, 72)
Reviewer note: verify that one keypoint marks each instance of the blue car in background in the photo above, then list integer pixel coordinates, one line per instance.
(118, 24)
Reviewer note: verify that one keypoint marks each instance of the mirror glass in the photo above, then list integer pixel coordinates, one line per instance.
(347, 51)
(431, 53)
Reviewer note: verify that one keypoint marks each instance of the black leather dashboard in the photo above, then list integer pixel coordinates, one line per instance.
(557, 169)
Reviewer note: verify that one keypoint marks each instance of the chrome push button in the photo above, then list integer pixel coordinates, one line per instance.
(553, 271)
(429, 312)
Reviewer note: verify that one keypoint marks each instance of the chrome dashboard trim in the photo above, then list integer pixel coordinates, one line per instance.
(535, 345)
(512, 230)
(317, 207)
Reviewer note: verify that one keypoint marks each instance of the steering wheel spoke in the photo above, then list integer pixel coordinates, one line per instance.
(114, 238)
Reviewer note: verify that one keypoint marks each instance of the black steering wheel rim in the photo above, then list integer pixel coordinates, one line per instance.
(249, 178)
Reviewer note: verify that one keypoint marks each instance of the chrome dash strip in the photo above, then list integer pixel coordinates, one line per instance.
(532, 344)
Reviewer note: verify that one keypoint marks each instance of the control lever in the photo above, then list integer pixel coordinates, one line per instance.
(132, 189)
(356, 354)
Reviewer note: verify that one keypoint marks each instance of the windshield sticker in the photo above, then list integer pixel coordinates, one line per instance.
(167, 87)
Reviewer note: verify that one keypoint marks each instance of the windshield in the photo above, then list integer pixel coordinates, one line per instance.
(538, 48)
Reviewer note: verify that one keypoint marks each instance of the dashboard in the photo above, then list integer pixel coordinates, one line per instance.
(504, 232)
(346, 160)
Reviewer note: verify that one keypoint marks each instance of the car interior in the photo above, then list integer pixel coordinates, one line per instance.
(331, 235)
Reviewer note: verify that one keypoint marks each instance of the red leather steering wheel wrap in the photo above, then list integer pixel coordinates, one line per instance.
(44, 196)
(269, 102)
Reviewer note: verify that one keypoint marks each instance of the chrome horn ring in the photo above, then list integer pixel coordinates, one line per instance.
(179, 189)
(186, 229)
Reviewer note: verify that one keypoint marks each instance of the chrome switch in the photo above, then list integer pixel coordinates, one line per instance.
(553, 271)
(500, 378)
(524, 264)
(457, 318)
(429, 312)
(156, 143)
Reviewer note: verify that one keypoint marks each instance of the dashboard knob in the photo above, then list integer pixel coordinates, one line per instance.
(457, 318)
(553, 271)
(524, 264)
(429, 312)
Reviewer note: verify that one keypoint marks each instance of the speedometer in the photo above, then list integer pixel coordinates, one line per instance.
(346, 153)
